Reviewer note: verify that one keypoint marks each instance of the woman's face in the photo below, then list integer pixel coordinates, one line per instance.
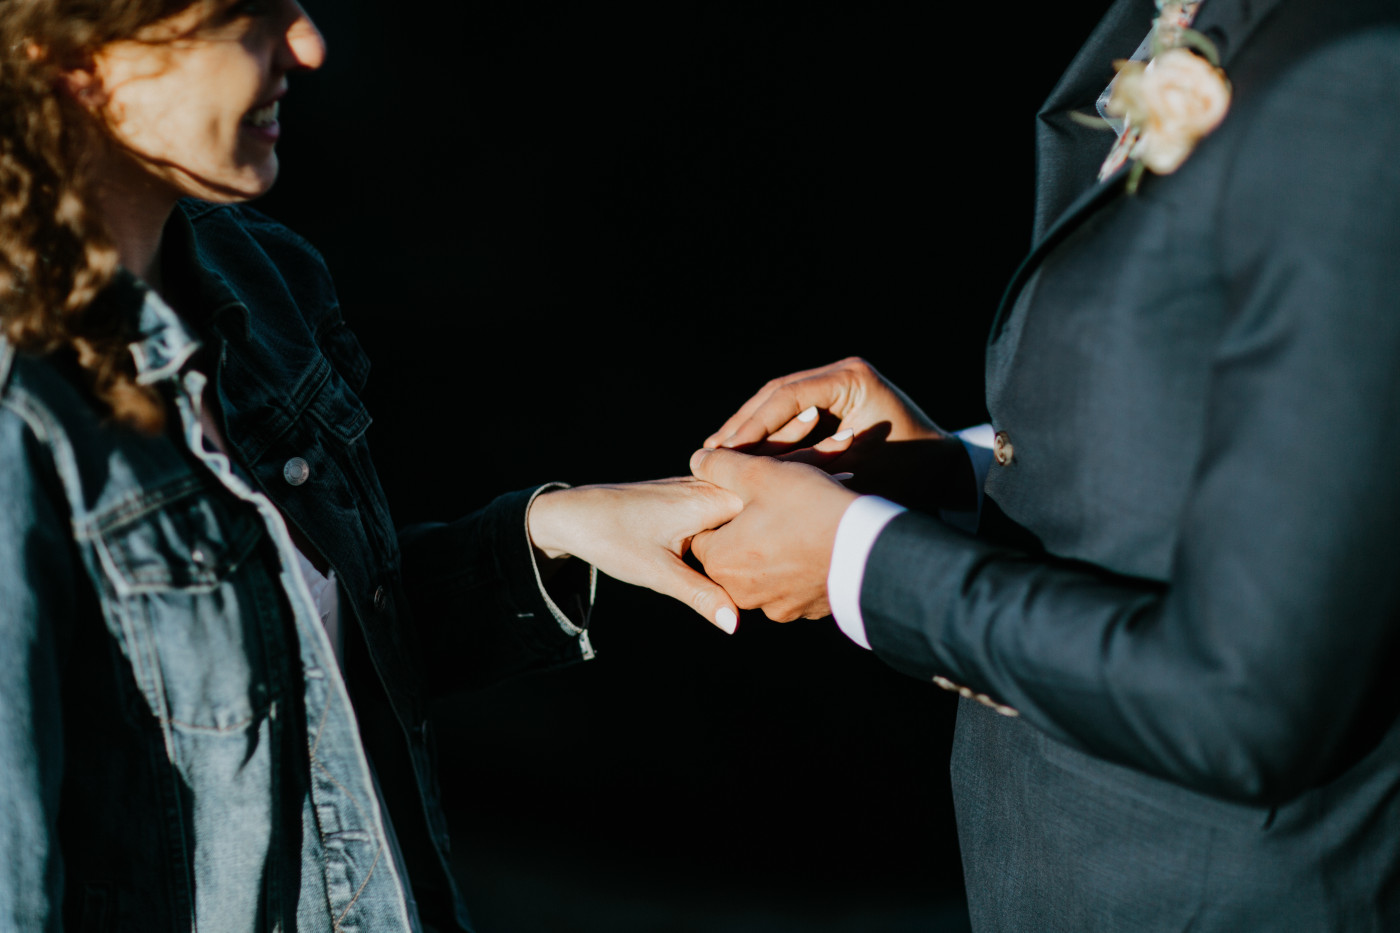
(194, 98)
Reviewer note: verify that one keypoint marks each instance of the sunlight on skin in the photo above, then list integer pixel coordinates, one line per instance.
(191, 108)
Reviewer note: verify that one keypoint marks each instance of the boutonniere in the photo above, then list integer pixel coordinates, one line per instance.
(1167, 104)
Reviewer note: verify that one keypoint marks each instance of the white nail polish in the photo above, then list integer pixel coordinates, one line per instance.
(808, 414)
(727, 620)
(843, 435)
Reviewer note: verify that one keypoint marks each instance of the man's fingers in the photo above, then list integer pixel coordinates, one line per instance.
(796, 429)
(787, 410)
(738, 418)
(823, 452)
(746, 411)
(700, 545)
(725, 468)
(716, 505)
(781, 401)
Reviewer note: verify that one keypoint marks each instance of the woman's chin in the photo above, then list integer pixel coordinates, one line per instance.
(244, 184)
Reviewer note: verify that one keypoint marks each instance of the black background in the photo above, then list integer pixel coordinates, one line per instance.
(574, 237)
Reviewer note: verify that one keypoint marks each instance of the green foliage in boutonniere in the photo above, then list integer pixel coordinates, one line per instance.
(1167, 104)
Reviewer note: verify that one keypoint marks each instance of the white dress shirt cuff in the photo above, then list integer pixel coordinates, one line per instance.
(861, 524)
(977, 441)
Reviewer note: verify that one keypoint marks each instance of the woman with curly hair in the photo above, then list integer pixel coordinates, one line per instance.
(216, 652)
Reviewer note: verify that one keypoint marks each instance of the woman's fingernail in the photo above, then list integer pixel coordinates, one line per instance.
(808, 414)
(843, 435)
(843, 477)
(727, 620)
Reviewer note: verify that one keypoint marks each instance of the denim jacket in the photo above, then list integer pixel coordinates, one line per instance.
(179, 749)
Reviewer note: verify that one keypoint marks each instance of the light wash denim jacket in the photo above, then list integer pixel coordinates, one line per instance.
(178, 747)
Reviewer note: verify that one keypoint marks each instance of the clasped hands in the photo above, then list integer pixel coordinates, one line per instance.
(769, 488)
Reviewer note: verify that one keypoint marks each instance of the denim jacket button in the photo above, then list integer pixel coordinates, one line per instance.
(296, 471)
(380, 598)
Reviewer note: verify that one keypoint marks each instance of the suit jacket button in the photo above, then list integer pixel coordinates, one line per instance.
(380, 599)
(1002, 449)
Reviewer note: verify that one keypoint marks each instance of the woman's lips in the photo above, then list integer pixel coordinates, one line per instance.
(263, 121)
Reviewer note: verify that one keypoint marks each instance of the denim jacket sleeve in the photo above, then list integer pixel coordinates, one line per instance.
(483, 610)
(37, 594)
(477, 608)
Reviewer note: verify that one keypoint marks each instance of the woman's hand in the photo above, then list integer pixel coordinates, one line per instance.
(639, 533)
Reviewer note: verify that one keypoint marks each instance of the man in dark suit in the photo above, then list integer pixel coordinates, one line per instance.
(1177, 626)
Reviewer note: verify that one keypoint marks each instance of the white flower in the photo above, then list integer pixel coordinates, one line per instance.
(1173, 102)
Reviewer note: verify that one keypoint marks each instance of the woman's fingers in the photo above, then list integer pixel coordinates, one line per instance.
(673, 578)
(639, 533)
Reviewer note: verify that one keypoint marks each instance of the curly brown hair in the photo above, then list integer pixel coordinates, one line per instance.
(56, 254)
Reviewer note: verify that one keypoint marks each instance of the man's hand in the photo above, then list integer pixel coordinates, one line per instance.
(775, 555)
(639, 533)
(785, 410)
(883, 440)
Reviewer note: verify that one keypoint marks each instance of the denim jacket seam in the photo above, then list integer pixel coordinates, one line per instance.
(139, 503)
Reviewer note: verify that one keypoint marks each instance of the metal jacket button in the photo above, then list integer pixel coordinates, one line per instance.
(1002, 449)
(380, 599)
(296, 471)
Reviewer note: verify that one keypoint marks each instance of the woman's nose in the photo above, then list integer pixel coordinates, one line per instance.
(305, 48)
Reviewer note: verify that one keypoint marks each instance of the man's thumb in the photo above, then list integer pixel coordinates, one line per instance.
(723, 467)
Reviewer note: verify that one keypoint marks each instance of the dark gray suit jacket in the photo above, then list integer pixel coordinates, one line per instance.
(1188, 576)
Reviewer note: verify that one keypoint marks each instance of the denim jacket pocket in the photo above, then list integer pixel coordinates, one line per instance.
(340, 345)
(188, 610)
(174, 538)
(338, 409)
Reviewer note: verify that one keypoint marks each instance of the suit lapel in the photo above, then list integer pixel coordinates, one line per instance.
(1062, 145)
(1067, 155)
(1081, 208)
(1230, 23)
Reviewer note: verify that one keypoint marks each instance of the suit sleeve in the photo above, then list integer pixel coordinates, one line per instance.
(37, 583)
(1256, 668)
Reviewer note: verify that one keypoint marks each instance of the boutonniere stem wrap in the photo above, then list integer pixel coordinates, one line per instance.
(1167, 104)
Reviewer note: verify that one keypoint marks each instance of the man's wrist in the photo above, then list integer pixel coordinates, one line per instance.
(860, 526)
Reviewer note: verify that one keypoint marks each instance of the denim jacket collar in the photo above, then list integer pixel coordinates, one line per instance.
(193, 281)
(163, 343)
(165, 340)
